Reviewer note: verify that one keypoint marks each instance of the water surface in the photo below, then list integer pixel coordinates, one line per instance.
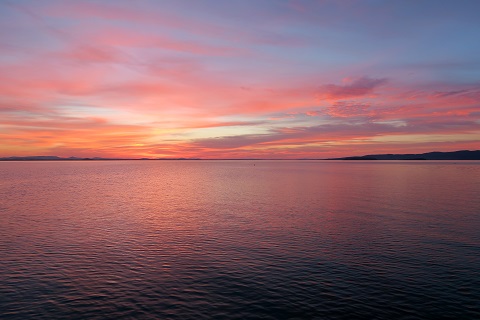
(240, 240)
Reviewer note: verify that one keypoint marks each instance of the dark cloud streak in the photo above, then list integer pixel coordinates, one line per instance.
(357, 88)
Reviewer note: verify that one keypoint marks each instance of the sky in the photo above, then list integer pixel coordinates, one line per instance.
(239, 78)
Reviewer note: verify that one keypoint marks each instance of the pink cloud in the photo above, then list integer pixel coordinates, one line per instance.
(91, 53)
(345, 109)
(126, 38)
(352, 88)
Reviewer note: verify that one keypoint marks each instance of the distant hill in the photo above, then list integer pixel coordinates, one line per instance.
(55, 158)
(454, 155)
(49, 158)
(31, 158)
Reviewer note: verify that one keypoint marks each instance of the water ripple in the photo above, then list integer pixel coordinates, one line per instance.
(226, 239)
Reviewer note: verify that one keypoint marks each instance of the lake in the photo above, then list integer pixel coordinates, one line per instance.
(240, 239)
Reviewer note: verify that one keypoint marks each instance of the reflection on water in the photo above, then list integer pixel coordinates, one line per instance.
(230, 239)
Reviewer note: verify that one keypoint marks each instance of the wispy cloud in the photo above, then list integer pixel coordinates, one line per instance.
(351, 88)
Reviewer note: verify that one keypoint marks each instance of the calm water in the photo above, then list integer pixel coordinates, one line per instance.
(240, 239)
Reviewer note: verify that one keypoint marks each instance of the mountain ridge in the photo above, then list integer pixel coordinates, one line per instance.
(434, 155)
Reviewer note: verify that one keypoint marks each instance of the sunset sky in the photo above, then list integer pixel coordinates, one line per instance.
(238, 79)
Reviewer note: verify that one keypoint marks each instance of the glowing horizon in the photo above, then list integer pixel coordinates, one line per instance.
(238, 79)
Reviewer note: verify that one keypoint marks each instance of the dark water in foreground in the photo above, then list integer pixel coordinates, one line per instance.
(227, 239)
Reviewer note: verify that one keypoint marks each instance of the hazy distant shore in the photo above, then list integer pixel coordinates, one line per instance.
(435, 155)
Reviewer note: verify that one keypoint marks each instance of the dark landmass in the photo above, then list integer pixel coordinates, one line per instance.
(454, 155)
(55, 158)
(52, 158)
(357, 158)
